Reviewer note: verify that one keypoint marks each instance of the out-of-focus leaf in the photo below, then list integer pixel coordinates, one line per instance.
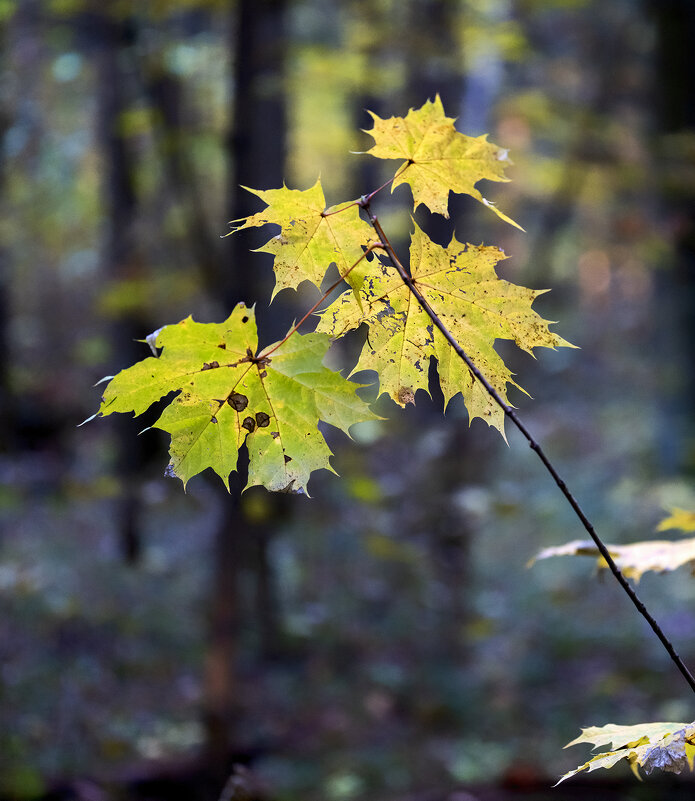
(633, 560)
(682, 519)
(666, 746)
(638, 558)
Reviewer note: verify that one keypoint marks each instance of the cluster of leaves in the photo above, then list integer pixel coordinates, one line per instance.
(271, 399)
(231, 393)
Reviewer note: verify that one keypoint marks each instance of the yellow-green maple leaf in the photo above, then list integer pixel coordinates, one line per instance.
(666, 746)
(228, 396)
(311, 236)
(437, 158)
(477, 307)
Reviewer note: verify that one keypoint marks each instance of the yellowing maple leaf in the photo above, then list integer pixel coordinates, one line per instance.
(228, 396)
(682, 519)
(437, 158)
(461, 285)
(667, 746)
(311, 236)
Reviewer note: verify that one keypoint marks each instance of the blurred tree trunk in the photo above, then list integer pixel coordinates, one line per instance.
(373, 18)
(675, 73)
(7, 411)
(112, 34)
(434, 67)
(257, 136)
(27, 422)
(166, 95)
(256, 148)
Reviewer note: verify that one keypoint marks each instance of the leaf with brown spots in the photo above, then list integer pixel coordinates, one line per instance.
(461, 285)
(221, 405)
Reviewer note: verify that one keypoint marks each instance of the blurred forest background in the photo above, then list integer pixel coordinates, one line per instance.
(385, 637)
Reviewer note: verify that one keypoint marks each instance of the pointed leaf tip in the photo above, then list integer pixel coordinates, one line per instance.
(312, 237)
(227, 399)
(460, 283)
(437, 158)
(666, 746)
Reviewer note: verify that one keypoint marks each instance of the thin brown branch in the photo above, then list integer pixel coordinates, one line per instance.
(373, 246)
(511, 414)
(364, 201)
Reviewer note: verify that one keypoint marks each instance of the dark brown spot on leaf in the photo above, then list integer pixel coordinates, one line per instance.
(262, 419)
(274, 434)
(406, 395)
(238, 401)
(223, 346)
(213, 419)
(244, 319)
(287, 458)
(249, 424)
(262, 374)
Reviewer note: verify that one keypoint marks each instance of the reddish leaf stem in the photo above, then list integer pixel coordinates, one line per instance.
(364, 201)
(266, 353)
(511, 414)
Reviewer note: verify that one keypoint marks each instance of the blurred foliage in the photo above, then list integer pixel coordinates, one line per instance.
(414, 649)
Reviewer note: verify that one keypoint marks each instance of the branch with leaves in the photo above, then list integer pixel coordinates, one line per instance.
(448, 305)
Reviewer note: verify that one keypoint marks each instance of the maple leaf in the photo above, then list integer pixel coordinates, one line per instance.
(228, 396)
(633, 560)
(461, 285)
(311, 236)
(667, 746)
(637, 558)
(682, 519)
(437, 158)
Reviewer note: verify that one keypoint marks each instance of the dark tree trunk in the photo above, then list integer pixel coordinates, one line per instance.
(256, 150)
(166, 94)
(111, 35)
(7, 410)
(256, 137)
(675, 73)
(433, 65)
